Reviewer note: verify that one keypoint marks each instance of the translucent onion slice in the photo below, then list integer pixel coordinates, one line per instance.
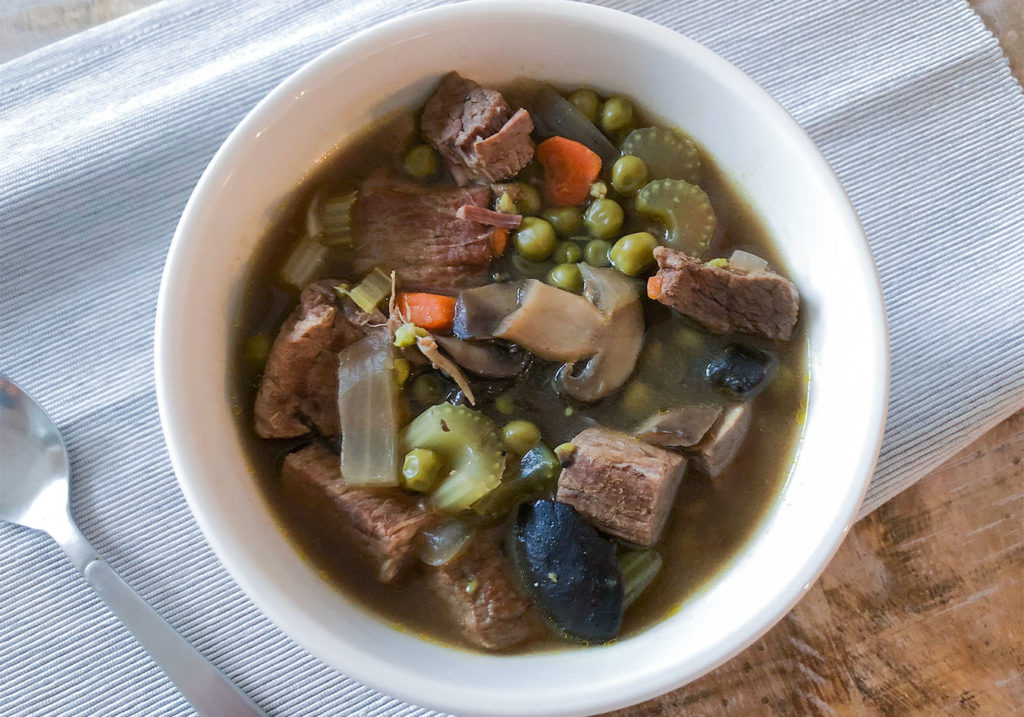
(369, 412)
(444, 542)
(746, 262)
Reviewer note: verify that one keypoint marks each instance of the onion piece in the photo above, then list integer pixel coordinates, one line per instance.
(368, 409)
(444, 542)
(746, 262)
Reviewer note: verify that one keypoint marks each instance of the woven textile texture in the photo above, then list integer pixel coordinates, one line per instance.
(104, 134)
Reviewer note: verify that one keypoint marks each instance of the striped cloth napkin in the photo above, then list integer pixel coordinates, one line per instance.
(103, 135)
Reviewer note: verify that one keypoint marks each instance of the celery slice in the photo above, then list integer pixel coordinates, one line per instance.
(639, 568)
(684, 209)
(301, 265)
(369, 292)
(668, 154)
(467, 441)
(337, 220)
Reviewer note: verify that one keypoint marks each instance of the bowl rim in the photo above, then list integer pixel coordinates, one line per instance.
(392, 30)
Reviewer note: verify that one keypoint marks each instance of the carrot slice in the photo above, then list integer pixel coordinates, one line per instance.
(569, 170)
(434, 312)
(654, 286)
(499, 238)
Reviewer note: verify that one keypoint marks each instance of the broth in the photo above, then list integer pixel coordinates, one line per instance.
(710, 521)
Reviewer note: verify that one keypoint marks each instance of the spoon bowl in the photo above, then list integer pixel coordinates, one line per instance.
(34, 472)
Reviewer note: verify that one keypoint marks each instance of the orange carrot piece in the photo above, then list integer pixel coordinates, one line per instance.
(569, 170)
(654, 286)
(499, 238)
(434, 312)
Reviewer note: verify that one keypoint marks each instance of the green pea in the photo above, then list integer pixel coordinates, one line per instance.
(566, 220)
(421, 469)
(402, 369)
(596, 251)
(505, 204)
(427, 389)
(633, 253)
(616, 114)
(629, 173)
(520, 436)
(535, 239)
(690, 340)
(566, 276)
(528, 200)
(604, 218)
(638, 399)
(567, 252)
(420, 161)
(257, 349)
(505, 404)
(587, 102)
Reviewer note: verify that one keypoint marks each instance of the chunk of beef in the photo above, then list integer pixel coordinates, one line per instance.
(623, 486)
(414, 230)
(679, 427)
(381, 524)
(482, 597)
(299, 385)
(475, 131)
(725, 300)
(721, 443)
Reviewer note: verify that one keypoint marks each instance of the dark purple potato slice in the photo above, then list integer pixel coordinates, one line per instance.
(740, 370)
(568, 570)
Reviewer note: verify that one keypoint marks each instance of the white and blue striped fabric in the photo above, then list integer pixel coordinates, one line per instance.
(104, 134)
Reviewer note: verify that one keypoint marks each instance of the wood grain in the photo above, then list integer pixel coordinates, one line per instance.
(920, 613)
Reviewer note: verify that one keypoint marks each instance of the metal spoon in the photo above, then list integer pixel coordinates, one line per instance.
(34, 474)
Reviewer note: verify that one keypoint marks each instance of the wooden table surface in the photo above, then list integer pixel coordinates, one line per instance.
(922, 610)
(920, 613)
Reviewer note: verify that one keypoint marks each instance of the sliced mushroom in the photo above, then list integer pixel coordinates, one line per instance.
(719, 446)
(679, 427)
(554, 324)
(479, 311)
(484, 358)
(618, 342)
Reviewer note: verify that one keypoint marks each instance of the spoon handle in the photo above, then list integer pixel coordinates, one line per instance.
(209, 691)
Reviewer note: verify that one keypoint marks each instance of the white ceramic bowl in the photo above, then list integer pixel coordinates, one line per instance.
(756, 144)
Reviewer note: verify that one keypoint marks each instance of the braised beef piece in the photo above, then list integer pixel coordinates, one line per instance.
(299, 385)
(476, 132)
(482, 597)
(380, 523)
(725, 301)
(413, 230)
(722, 441)
(623, 486)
